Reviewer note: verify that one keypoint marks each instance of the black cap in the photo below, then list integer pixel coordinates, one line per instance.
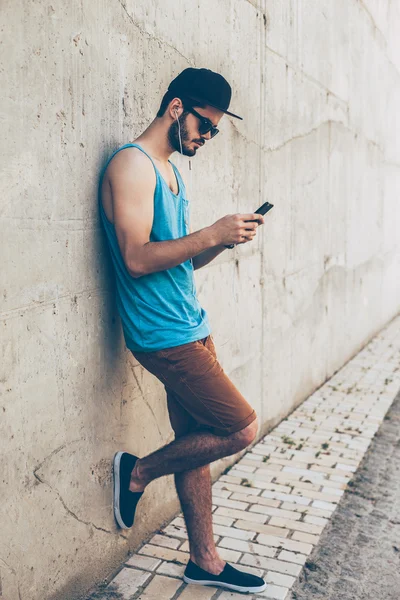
(205, 86)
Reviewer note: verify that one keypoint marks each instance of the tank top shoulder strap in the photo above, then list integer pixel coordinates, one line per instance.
(130, 145)
(144, 152)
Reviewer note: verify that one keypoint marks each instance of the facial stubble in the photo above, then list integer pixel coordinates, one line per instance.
(173, 136)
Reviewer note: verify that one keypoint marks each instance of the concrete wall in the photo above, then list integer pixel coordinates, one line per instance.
(318, 84)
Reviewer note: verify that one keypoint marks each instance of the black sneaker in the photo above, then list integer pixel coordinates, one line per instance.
(125, 502)
(230, 578)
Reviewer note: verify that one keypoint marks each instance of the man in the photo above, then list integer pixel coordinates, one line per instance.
(145, 213)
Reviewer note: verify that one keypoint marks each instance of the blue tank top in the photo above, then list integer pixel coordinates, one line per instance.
(159, 310)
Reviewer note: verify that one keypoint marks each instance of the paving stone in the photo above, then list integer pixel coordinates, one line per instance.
(297, 526)
(127, 582)
(315, 520)
(268, 468)
(241, 489)
(220, 493)
(147, 563)
(279, 579)
(325, 471)
(263, 449)
(326, 497)
(228, 478)
(330, 485)
(165, 541)
(230, 596)
(325, 505)
(165, 553)
(295, 557)
(257, 500)
(307, 510)
(289, 461)
(197, 592)
(243, 546)
(277, 487)
(179, 522)
(305, 537)
(280, 459)
(299, 484)
(338, 478)
(273, 439)
(160, 587)
(292, 545)
(255, 457)
(304, 472)
(268, 510)
(234, 532)
(218, 519)
(291, 478)
(287, 497)
(246, 516)
(174, 531)
(345, 467)
(229, 555)
(260, 528)
(275, 591)
(238, 478)
(241, 466)
(171, 569)
(272, 564)
(230, 503)
(222, 520)
(185, 546)
(252, 570)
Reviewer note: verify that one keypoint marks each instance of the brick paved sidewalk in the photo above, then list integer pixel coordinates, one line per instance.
(271, 508)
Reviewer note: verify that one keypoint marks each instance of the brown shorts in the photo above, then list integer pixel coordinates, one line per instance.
(199, 393)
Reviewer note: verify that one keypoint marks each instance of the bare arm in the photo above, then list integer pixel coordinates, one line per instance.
(159, 256)
(132, 180)
(201, 260)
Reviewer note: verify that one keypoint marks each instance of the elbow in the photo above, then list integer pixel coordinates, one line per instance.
(136, 274)
(134, 265)
(135, 271)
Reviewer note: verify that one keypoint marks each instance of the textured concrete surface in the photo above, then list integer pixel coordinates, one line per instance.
(273, 509)
(358, 557)
(318, 86)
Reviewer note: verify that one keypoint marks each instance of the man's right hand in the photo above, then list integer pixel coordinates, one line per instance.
(233, 229)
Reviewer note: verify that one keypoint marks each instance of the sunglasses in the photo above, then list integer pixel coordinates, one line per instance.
(205, 124)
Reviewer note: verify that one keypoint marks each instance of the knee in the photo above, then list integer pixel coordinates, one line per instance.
(246, 436)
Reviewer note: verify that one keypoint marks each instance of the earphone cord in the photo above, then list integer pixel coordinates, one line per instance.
(179, 133)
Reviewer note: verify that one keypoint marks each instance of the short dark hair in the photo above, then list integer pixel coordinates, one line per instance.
(168, 96)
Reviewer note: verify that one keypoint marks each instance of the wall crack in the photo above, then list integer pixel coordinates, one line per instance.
(152, 37)
(72, 514)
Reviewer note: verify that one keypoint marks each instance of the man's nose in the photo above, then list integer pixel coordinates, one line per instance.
(206, 136)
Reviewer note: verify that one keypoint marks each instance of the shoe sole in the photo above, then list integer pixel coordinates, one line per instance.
(117, 513)
(229, 586)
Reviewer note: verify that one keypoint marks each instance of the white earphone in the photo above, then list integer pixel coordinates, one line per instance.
(179, 128)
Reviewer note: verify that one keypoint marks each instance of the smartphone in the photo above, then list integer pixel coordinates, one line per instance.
(264, 208)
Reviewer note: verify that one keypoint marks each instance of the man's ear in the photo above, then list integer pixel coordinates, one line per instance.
(176, 108)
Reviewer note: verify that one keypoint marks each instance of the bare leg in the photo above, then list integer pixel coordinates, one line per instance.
(194, 491)
(187, 453)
